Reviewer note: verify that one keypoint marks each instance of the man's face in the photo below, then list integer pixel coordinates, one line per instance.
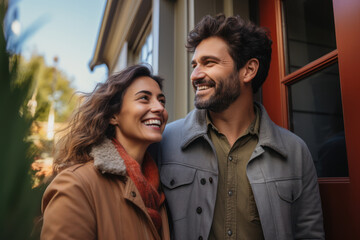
(214, 77)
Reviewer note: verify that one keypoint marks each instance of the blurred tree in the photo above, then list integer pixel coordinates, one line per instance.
(45, 76)
(19, 203)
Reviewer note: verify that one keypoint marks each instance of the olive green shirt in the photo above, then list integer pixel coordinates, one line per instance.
(235, 214)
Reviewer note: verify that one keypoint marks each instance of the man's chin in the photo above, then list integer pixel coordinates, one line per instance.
(201, 104)
(215, 107)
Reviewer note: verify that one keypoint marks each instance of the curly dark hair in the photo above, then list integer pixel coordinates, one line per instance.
(90, 123)
(245, 41)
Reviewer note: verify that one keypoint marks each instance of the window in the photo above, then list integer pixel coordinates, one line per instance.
(309, 31)
(314, 96)
(146, 52)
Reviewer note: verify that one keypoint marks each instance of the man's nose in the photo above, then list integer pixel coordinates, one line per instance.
(197, 73)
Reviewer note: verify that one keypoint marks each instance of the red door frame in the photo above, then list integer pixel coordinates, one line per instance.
(340, 196)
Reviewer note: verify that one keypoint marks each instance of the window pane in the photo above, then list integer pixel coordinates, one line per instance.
(146, 50)
(309, 31)
(316, 116)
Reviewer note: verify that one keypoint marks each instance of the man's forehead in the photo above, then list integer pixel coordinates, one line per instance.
(213, 47)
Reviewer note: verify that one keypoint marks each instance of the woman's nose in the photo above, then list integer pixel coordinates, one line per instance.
(157, 106)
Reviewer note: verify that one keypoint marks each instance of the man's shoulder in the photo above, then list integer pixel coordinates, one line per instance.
(277, 137)
(182, 124)
(289, 136)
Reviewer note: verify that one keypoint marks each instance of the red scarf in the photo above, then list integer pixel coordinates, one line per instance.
(146, 179)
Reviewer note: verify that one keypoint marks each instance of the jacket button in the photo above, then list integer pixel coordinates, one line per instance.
(199, 210)
(230, 158)
(210, 179)
(133, 194)
(230, 193)
(172, 182)
(200, 238)
(229, 232)
(203, 181)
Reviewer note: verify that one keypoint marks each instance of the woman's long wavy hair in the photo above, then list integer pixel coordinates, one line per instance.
(90, 122)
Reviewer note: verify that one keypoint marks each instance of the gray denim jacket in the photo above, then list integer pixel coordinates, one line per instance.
(280, 171)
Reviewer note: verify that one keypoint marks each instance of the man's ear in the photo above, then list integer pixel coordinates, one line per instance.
(251, 68)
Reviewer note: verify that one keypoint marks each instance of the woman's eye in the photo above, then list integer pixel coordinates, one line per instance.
(162, 101)
(144, 97)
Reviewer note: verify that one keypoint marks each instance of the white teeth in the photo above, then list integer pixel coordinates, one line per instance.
(202, 88)
(153, 122)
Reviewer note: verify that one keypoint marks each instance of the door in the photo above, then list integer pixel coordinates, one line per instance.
(313, 89)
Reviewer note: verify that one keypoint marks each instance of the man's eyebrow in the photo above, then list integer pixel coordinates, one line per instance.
(204, 58)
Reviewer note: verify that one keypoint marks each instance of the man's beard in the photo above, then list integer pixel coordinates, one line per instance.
(226, 92)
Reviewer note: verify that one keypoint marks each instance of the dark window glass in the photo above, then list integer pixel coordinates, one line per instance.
(309, 31)
(315, 110)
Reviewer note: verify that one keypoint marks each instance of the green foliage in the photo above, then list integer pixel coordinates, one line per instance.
(45, 77)
(19, 203)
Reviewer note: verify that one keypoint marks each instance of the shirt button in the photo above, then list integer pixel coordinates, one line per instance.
(230, 193)
(229, 232)
(133, 194)
(172, 182)
(230, 158)
(203, 181)
(210, 179)
(199, 210)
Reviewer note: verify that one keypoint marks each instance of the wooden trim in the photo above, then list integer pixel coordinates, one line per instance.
(333, 180)
(142, 34)
(312, 67)
(281, 65)
(271, 89)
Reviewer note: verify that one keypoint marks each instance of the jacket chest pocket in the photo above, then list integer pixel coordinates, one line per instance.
(289, 190)
(178, 185)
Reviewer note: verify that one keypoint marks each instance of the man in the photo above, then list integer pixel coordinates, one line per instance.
(228, 171)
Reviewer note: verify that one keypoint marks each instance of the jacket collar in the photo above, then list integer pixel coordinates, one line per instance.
(107, 159)
(194, 126)
(269, 135)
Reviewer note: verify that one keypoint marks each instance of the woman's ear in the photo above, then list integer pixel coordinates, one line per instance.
(114, 120)
(251, 68)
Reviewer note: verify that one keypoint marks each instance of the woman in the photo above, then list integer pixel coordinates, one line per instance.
(107, 185)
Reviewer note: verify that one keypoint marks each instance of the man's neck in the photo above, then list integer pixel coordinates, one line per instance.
(234, 121)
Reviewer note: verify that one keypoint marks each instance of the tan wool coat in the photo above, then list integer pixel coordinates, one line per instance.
(96, 200)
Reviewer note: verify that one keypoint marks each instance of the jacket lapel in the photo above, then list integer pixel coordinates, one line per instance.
(194, 127)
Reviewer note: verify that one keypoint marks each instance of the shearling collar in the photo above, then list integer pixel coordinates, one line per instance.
(107, 159)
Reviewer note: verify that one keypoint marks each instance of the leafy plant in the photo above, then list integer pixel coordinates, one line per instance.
(19, 203)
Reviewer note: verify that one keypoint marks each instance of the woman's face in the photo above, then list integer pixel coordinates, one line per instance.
(143, 116)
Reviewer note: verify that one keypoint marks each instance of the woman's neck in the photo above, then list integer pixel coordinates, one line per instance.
(135, 150)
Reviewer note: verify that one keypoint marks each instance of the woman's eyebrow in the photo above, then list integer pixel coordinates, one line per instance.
(143, 91)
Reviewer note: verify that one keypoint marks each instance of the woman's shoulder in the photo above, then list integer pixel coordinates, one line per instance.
(77, 176)
(79, 170)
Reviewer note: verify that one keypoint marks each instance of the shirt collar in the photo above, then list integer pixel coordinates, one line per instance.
(253, 128)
